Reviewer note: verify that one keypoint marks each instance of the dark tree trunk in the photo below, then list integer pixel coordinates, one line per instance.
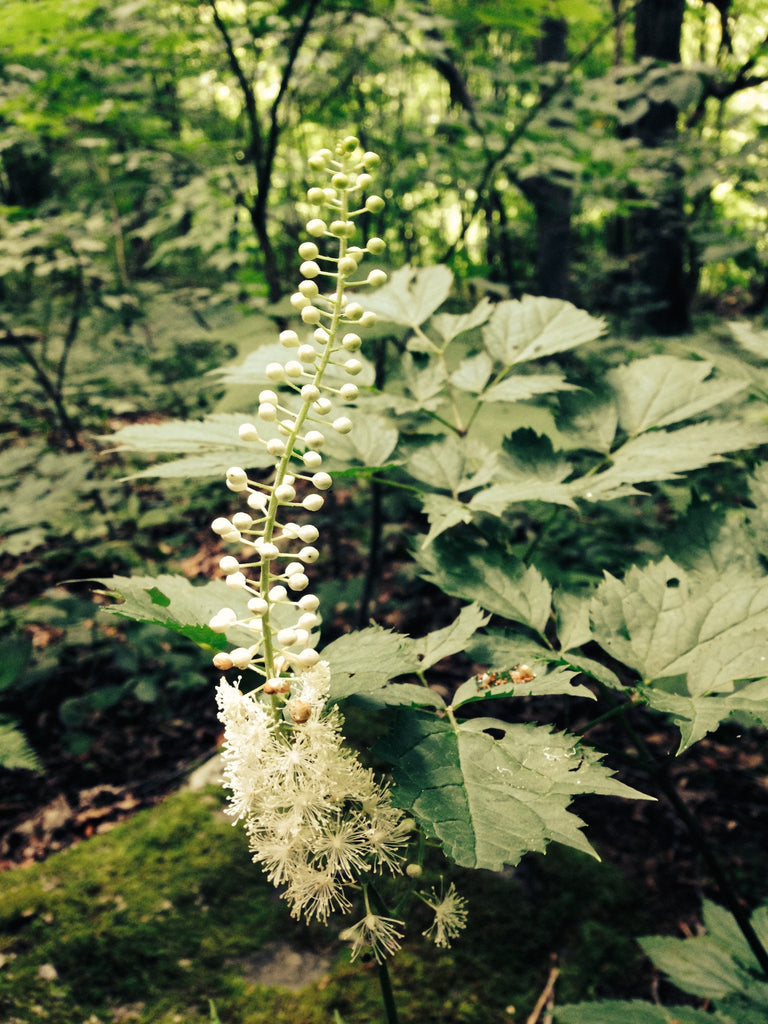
(658, 237)
(552, 200)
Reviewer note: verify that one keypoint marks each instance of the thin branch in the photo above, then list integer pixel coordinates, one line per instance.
(249, 96)
(546, 999)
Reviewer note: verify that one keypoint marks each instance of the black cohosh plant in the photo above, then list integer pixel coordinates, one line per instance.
(318, 821)
(684, 639)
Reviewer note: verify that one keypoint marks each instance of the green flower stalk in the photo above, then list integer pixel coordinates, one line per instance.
(318, 822)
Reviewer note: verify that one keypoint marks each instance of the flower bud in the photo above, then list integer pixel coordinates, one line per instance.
(299, 710)
(298, 581)
(312, 460)
(307, 658)
(309, 289)
(275, 447)
(268, 551)
(285, 493)
(242, 520)
(371, 160)
(376, 277)
(353, 367)
(286, 637)
(258, 606)
(276, 594)
(257, 501)
(316, 227)
(293, 368)
(374, 204)
(353, 311)
(289, 339)
(368, 319)
(241, 657)
(311, 315)
(237, 479)
(308, 620)
(229, 564)
(275, 371)
(314, 195)
(340, 180)
(314, 438)
(236, 580)
(222, 661)
(267, 412)
(376, 246)
(342, 425)
(247, 432)
(313, 502)
(309, 555)
(322, 481)
(307, 354)
(298, 300)
(268, 396)
(222, 620)
(351, 342)
(309, 603)
(349, 392)
(347, 265)
(220, 526)
(308, 533)
(309, 269)
(323, 405)
(310, 392)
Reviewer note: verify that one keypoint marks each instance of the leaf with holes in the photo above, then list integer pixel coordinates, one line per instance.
(490, 791)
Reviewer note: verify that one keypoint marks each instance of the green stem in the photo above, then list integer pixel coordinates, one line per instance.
(387, 995)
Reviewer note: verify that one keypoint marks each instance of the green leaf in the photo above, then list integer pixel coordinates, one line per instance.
(371, 441)
(473, 373)
(662, 390)
(497, 498)
(173, 602)
(440, 464)
(15, 751)
(489, 791)
(667, 454)
(614, 1011)
(702, 632)
(363, 663)
(523, 386)
(450, 325)
(451, 639)
(411, 295)
(750, 338)
(182, 436)
(443, 513)
(534, 327)
(711, 966)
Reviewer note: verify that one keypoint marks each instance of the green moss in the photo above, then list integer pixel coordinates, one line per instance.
(161, 913)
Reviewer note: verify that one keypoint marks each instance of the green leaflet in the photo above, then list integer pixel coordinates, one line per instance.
(662, 390)
(666, 455)
(498, 585)
(518, 331)
(363, 663)
(15, 751)
(700, 632)
(614, 1011)
(718, 966)
(489, 791)
(173, 602)
(411, 295)
(524, 386)
(450, 325)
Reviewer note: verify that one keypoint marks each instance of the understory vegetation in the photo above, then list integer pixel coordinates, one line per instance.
(508, 543)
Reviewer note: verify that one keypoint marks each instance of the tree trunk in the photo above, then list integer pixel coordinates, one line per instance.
(658, 233)
(552, 200)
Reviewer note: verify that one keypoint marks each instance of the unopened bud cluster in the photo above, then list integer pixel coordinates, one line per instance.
(278, 541)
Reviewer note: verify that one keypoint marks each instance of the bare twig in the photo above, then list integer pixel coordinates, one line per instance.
(547, 998)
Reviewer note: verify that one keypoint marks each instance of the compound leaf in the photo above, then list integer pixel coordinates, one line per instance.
(411, 295)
